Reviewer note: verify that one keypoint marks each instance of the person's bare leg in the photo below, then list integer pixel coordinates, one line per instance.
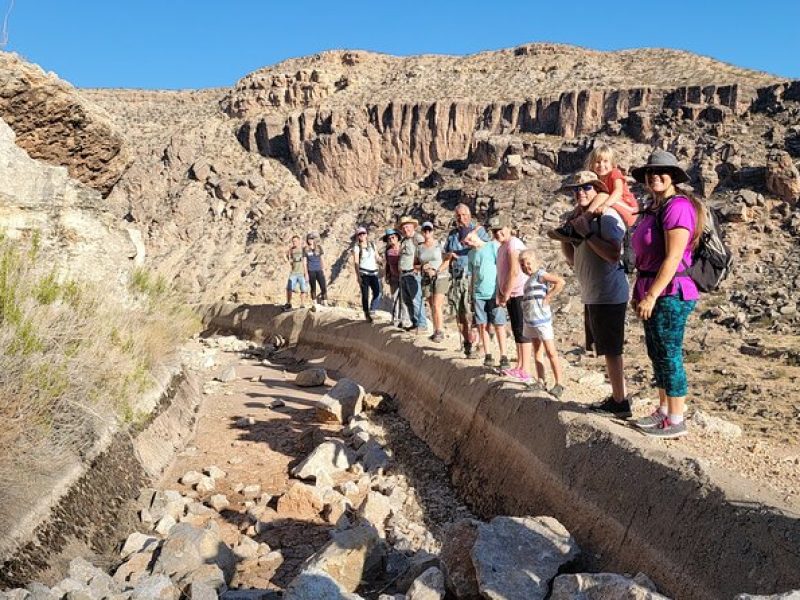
(436, 309)
(552, 356)
(676, 405)
(524, 352)
(500, 336)
(615, 370)
(484, 336)
(538, 359)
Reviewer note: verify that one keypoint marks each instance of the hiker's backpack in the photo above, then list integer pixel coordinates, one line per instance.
(711, 259)
(628, 258)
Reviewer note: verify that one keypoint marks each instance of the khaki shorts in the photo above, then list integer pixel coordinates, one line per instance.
(435, 285)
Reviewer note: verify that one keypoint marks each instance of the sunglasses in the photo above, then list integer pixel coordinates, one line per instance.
(584, 188)
(657, 171)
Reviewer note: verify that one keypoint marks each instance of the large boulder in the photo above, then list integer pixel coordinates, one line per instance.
(603, 586)
(300, 501)
(187, 548)
(343, 401)
(516, 558)
(783, 178)
(328, 458)
(311, 377)
(346, 559)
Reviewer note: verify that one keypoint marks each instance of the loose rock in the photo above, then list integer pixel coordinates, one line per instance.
(311, 377)
(329, 457)
(517, 557)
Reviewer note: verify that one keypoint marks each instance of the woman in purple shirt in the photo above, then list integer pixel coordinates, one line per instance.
(664, 295)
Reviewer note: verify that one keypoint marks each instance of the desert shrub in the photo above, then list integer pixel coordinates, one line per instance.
(74, 358)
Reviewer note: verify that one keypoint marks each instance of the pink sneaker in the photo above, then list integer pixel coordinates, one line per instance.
(511, 372)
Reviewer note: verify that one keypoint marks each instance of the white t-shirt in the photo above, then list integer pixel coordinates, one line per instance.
(366, 258)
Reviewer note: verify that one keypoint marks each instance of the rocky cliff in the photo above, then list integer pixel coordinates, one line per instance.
(55, 124)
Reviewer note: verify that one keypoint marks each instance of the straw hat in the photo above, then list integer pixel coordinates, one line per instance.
(582, 178)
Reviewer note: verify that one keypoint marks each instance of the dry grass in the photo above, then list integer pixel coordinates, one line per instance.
(73, 359)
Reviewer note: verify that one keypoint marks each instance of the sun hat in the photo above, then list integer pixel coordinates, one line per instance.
(498, 222)
(661, 159)
(361, 230)
(312, 235)
(407, 219)
(427, 225)
(582, 178)
(388, 232)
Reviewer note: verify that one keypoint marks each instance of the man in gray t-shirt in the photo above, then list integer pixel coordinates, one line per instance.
(604, 286)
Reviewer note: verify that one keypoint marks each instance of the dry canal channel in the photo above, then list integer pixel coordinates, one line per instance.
(388, 477)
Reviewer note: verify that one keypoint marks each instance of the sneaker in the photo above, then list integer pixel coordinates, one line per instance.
(556, 390)
(504, 363)
(654, 419)
(488, 361)
(565, 233)
(510, 372)
(667, 430)
(468, 349)
(536, 386)
(612, 408)
(287, 306)
(437, 337)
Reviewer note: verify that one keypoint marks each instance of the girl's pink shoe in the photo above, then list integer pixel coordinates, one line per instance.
(511, 372)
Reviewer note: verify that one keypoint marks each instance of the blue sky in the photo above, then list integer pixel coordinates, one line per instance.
(174, 44)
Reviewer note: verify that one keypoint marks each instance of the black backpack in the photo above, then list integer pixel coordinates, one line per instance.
(711, 259)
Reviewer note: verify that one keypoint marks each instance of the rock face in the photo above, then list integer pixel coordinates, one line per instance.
(336, 152)
(515, 558)
(53, 123)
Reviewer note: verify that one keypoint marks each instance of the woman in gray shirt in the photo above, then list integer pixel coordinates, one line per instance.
(435, 280)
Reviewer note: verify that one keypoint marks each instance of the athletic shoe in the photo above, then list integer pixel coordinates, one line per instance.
(565, 233)
(654, 419)
(667, 430)
(468, 349)
(536, 386)
(612, 408)
(557, 390)
(504, 363)
(488, 361)
(287, 306)
(511, 372)
(437, 337)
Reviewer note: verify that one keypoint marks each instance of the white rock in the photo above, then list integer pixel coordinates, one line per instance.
(165, 524)
(215, 472)
(311, 377)
(329, 457)
(251, 491)
(219, 502)
(227, 375)
(191, 478)
(206, 484)
(138, 542)
(246, 548)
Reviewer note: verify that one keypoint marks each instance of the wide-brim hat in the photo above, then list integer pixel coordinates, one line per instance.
(407, 219)
(582, 178)
(661, 159)
(427, 225)
(388, 232)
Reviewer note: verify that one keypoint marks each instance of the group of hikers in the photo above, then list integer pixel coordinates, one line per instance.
(491, 280)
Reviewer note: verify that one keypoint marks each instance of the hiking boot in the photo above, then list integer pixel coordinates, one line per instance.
(437, 337)
(667, 430)
(468, 349)
(287, 306)
(654, 419)
(504, 363)
(488, 361)
(556, 390)
(611, 408)
(565, 233)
